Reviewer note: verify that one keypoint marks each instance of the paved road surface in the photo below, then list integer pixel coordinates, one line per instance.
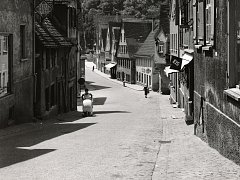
(119, 142)
(130, 137)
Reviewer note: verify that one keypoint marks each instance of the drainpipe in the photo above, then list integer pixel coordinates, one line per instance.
(33, 58)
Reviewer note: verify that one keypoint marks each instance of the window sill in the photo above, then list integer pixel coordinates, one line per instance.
(207, 48)
(198, 46)
(24, 59)
(7, 95)
(233, 93)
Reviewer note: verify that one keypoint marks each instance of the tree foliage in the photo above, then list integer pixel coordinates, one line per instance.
(145, 9)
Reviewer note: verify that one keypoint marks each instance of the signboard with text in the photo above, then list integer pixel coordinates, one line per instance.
(176, 63)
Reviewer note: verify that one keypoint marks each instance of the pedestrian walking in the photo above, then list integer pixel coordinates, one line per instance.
(124, 83)
(146, 90)
(93, 68)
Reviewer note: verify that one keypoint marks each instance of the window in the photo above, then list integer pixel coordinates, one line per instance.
(5, 45)
(204, 12)
(160, 48)
(72, 18)
(54, 57)
(52, 95)
(48, 58)
(209, 14)
(47, 103)
(5, 64)
(22, 41)
(184, 13)
(234, 43)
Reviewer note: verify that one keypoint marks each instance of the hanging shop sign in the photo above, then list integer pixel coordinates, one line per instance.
(176, 63)
(43, 9)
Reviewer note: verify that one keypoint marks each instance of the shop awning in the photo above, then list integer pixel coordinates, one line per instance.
(110, 65)
(186, 59)
(168, 71)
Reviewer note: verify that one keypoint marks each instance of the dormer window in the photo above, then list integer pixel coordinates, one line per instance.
(160, 48)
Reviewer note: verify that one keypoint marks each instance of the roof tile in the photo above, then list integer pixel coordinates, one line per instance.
(49, 36)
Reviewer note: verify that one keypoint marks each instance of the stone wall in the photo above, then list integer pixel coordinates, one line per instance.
(216, 116)
(18, 104)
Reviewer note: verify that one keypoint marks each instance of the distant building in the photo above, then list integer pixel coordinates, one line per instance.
(102, 33)
(16, 62)
(112, 42)
(150, 61)
(132, 36)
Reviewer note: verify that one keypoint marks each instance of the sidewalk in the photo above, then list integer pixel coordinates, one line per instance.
(182, 155)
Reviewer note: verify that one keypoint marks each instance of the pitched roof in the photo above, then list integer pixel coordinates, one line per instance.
(136, 32)
(148, 47)
(49, 36)
(114, 31)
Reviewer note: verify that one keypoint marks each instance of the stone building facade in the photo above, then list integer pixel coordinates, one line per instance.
(16, 71)
(217, 75)
(56, 60)
(133, 33)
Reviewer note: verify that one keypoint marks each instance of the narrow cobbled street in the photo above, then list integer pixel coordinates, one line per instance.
(119, 142)
(129, 137)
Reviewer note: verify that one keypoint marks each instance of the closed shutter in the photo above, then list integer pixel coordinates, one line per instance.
(212, 22)
(195, 21)
(200, 28)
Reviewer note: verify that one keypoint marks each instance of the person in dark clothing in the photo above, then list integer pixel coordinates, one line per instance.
(146, 90)
(93, 68)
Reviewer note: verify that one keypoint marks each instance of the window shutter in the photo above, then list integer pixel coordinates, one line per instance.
(194, 21)
(200, 27)
(176, 12)
(212, 21)
(208, 21)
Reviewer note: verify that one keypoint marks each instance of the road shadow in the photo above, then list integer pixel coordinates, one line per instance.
(17, 149)
(94, 87)
(96, 101)
(70, 116)
(109, 112)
